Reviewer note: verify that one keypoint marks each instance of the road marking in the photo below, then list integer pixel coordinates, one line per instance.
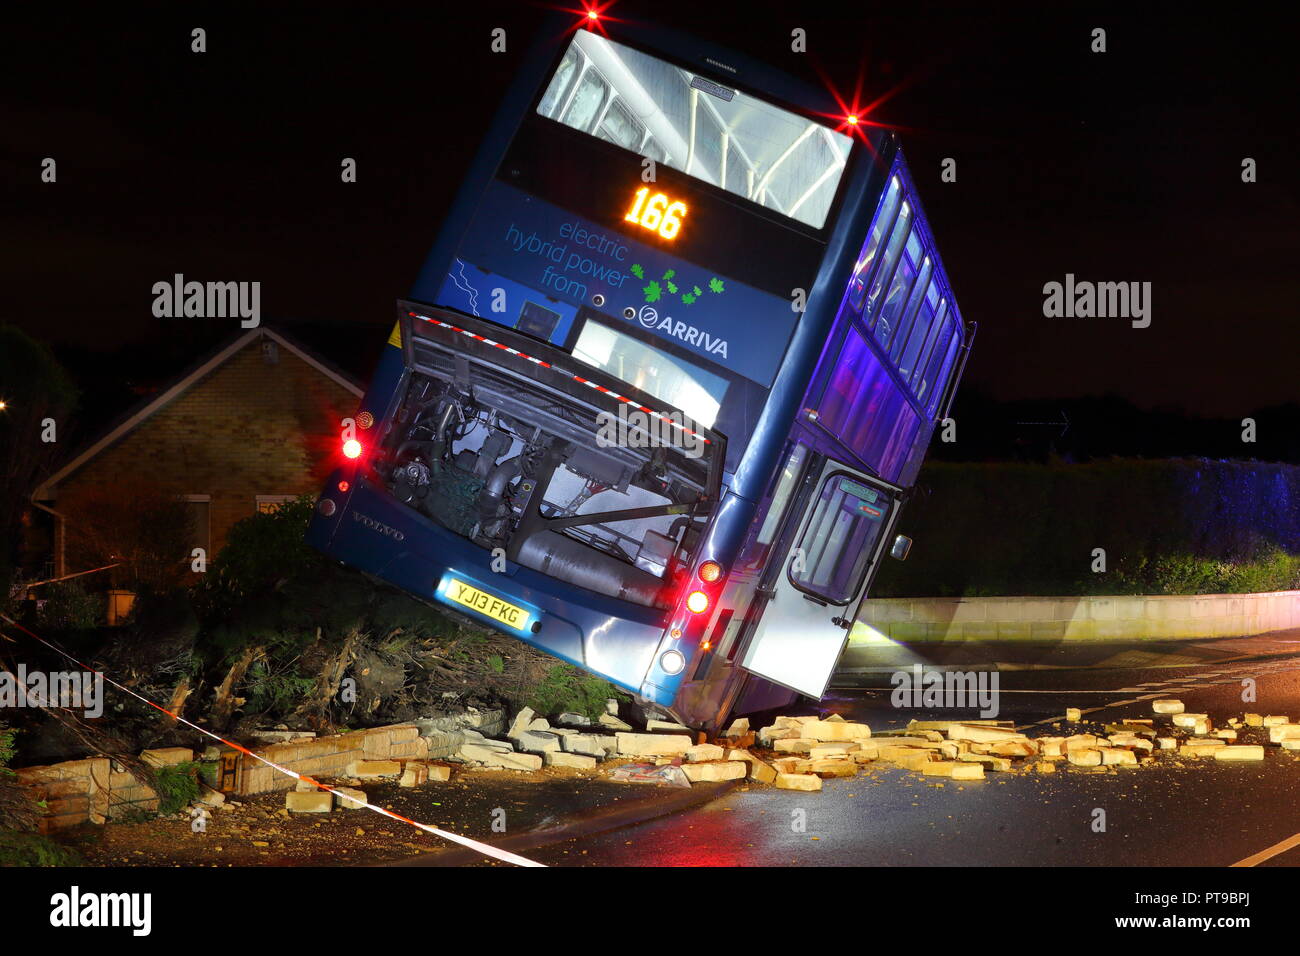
(1274, 850)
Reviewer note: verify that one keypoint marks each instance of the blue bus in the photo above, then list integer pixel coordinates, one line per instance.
(665, 380)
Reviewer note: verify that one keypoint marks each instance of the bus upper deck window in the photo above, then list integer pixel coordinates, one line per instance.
(887, 265)
(867, 260)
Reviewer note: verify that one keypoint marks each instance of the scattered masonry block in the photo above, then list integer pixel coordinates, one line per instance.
(374, 769)
(1240, 752)
(1226, 734)
(941, 768)
(833, 767)
(613, 723)
(415, 774)
(1199, 750)
(1291, 743)
(968, 771)
(1187, 720)
(861, 757)
(798, 781)
(1045, 766)
(841, 729)
(758, 769)
(911, 760)
(983, 733)
(1051, 746)
(317, 801)
(1167, 743)
(702, 752)
(1074, 714)
(1118, 756)
(521, 722)
(653, 745)
(1272, 720)
(739, 727)
(1254, 720)
(987, 762)
(439, 773)
(1079, 742)
(1008, 748)
(348, 798)
(715, 771)
(834, 749)
(1280, 732)
(1085, 757)
(1205, 742)
(1167, 706)
(793, 745)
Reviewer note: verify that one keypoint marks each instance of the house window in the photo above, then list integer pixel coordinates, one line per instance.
(266, 504)
(200, 509)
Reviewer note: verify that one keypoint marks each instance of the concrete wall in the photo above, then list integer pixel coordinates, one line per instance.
(1101, 617)
(92, 791)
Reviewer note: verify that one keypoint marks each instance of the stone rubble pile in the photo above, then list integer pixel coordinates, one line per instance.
(798, 753)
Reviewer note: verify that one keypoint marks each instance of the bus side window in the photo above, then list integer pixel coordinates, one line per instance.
(840, 539)
(900, 288)
(867, 261)
(786, 481)
(886, 273)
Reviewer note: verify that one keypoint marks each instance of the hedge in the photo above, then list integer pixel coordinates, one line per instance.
(1183, 526)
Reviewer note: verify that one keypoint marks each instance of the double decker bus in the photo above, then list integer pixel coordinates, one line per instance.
(664, 382)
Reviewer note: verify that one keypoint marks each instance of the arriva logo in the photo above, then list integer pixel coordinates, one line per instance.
(374, 525)
(678, 329)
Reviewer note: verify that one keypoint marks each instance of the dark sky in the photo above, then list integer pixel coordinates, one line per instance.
(1122, 166)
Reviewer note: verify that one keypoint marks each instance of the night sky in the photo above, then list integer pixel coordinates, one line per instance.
(1122, 166)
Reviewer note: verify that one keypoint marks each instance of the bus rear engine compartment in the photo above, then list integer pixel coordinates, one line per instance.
(512, 464)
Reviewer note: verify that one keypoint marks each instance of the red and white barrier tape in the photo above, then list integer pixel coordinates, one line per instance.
(502, 855)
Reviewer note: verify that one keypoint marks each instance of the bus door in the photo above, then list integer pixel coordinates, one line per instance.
(847, 519)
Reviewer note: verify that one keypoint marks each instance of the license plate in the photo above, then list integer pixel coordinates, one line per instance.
(486, 604)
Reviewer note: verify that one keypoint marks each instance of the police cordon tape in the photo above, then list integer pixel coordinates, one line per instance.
(502, 855)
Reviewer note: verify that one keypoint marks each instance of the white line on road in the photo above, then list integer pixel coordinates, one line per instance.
(1274, 850)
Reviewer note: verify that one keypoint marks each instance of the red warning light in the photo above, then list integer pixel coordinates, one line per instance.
(697, 602)
(352, 448)
(851, 119)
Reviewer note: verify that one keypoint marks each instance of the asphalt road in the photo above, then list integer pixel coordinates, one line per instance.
(1204, 813)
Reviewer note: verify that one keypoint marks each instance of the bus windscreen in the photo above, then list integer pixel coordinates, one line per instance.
(723, 137)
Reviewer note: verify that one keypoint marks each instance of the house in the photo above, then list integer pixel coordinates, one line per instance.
(252, 424)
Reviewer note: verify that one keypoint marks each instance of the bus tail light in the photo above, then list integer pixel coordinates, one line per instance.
(697, 602)
(352, 448)
(709, 572)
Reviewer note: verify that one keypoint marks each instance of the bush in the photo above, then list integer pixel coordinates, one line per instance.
(177, 786)
(33, 849)
(68, 607)
(1167, 527)
(571, 689)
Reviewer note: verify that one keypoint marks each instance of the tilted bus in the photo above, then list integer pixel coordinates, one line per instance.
(665, 380)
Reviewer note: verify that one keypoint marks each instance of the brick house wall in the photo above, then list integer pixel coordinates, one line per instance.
(248, 427)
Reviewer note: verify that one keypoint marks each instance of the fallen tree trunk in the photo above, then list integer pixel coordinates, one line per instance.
(223, 706)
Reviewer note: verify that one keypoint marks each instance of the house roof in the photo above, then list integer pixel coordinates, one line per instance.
(187, 380)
